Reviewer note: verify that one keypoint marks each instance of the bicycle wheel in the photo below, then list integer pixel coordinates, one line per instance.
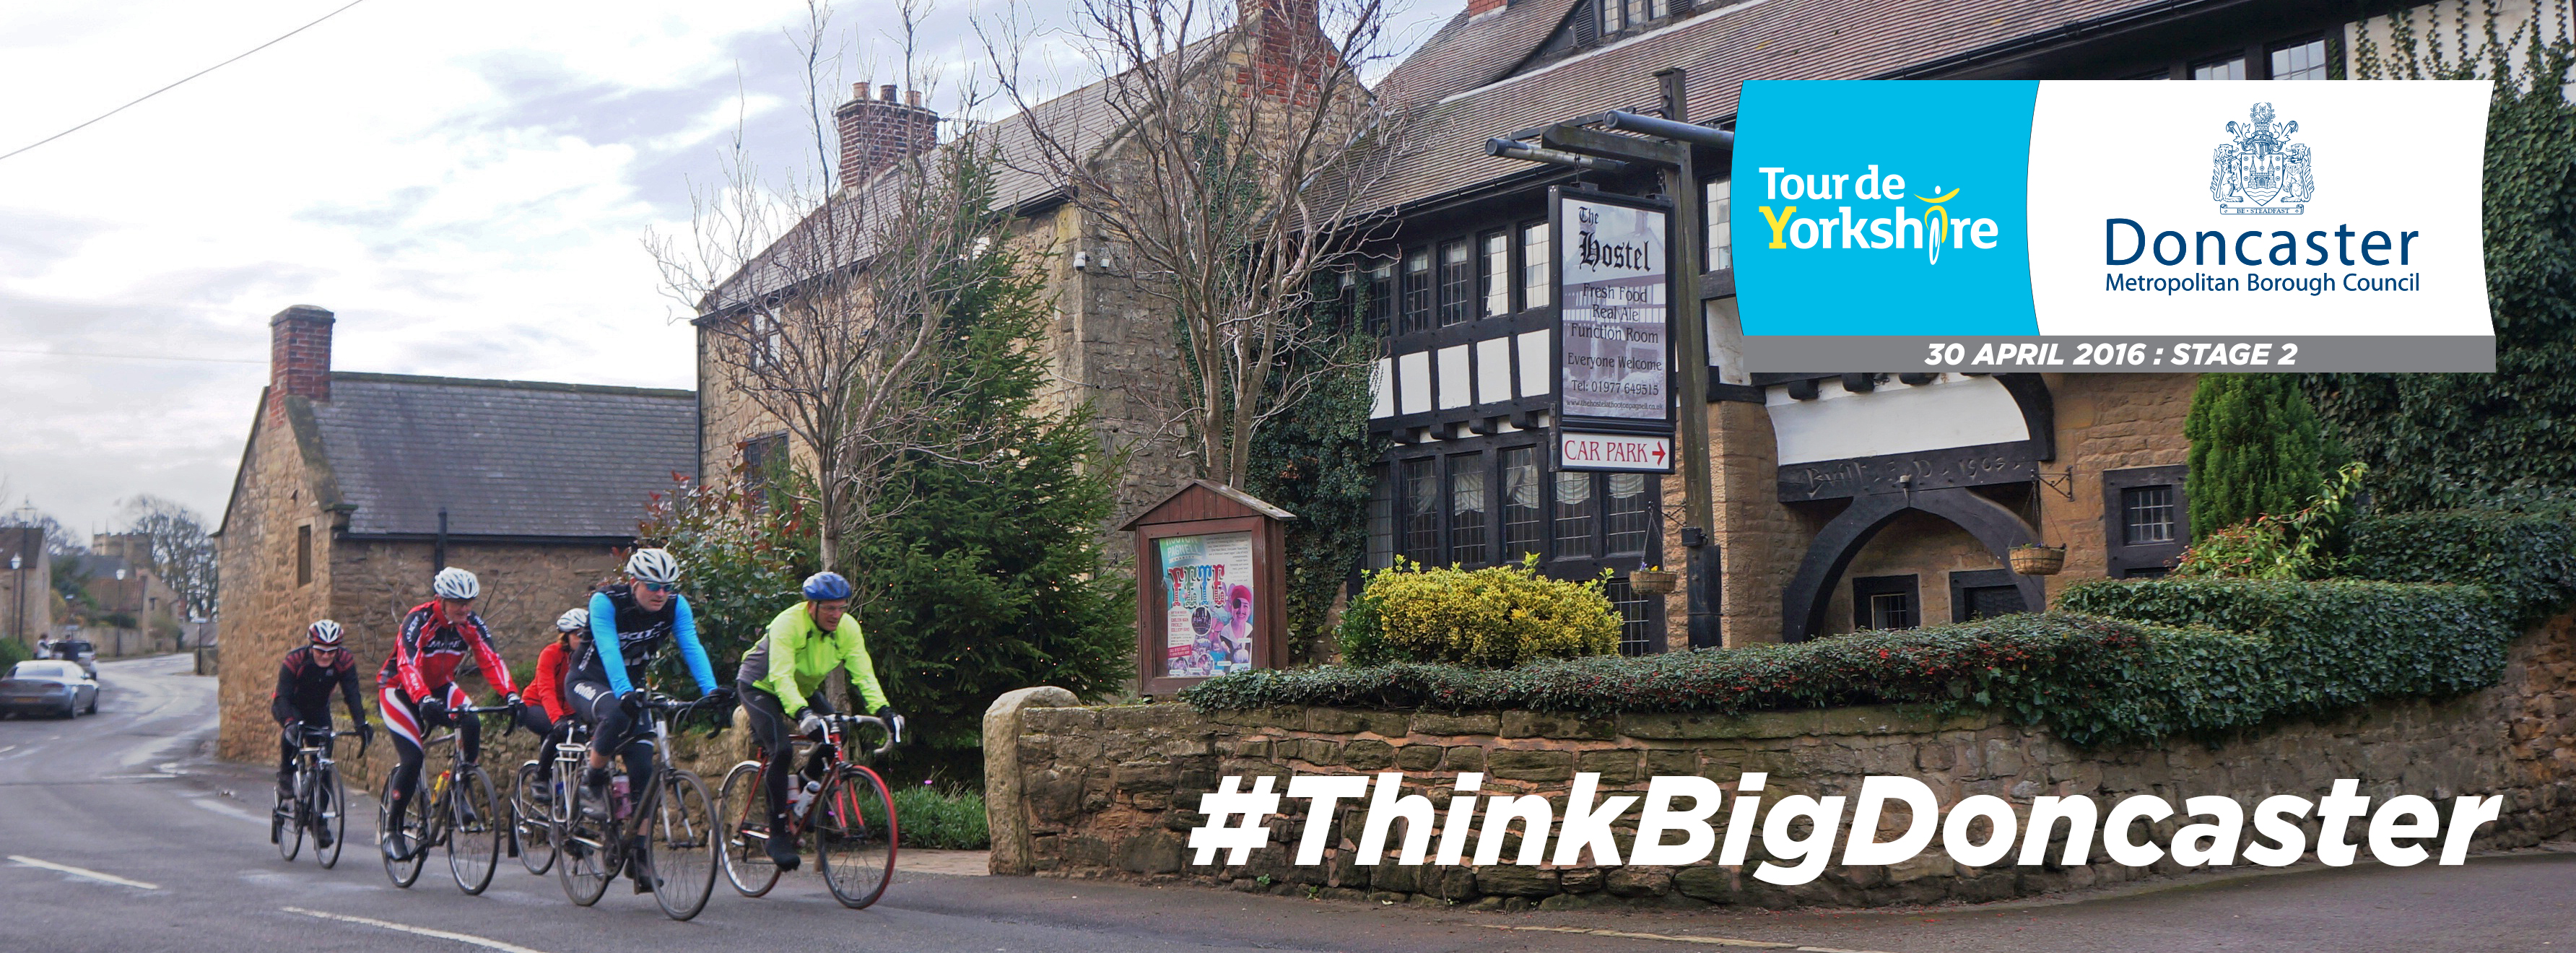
(746, 842)
(854, 836)
(290, 819)
(330, 816)
(687, 844)
(589, 861)
(530, 821)
(474, 830)
(407, 832)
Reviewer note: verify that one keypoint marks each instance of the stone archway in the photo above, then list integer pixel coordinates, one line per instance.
(1998, 528)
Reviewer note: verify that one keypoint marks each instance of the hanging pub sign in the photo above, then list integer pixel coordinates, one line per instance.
(2079, 226)
(1614, 332)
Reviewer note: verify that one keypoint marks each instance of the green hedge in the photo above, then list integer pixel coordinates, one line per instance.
(2093, 680)
(2527, 559)
(13, 652)
(2328, 645)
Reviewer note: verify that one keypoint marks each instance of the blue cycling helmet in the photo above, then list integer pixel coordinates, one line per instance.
(826, 586)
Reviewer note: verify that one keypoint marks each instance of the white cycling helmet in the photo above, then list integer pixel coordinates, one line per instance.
(454, 583)
(653, 565)
(325, 633)
(577, 620)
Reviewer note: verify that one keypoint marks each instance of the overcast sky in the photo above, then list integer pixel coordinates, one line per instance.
(467, 183)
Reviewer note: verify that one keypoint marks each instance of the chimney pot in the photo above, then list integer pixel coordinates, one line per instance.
(878, 132)
(912, 98)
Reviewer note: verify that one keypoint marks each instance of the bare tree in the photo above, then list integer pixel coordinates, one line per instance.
(827, 304)
(1235, 169)
(181, 552)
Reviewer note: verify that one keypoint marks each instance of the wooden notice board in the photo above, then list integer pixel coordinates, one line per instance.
(1211, 583)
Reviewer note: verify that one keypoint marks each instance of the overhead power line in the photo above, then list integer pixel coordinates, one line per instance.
(316, 22)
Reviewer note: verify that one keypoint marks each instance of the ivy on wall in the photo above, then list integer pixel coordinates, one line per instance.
(2445, 440)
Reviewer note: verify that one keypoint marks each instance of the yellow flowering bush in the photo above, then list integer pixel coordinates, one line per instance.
(1495, 617)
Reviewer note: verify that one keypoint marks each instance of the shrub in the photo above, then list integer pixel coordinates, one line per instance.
(2300, 545)
(2256, 448)
(2328, 645)
(2526, 560)
(13, 652)
(2093, 680)
(1494, 617)
(937, 818)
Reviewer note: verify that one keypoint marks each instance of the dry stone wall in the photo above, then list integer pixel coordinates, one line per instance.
(1112, 791)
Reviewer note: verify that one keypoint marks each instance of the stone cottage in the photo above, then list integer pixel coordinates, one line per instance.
(355, 488)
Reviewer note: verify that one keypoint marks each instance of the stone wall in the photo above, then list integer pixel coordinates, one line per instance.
(265, 605)
(1110, 792)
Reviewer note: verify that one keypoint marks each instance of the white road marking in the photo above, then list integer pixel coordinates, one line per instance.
(78, 872)
(1703, 940)
(133, 777)
(228, 810)
(467, 938)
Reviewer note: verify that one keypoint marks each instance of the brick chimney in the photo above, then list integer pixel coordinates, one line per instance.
(1290, 52)
(299, 356)
(876, 133)
(1478, 8)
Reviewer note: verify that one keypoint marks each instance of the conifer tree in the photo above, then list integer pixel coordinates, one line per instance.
(2256, 448)
(990, 577)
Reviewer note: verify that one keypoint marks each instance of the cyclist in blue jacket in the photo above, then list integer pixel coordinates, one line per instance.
(629, 623)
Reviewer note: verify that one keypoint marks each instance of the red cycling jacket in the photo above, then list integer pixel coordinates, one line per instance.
(546, 686)
(430, 647)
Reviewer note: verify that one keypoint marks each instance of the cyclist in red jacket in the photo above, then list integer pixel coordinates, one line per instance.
(416, 687)
(549, 718)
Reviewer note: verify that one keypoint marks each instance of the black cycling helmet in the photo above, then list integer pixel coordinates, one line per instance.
(826, 586)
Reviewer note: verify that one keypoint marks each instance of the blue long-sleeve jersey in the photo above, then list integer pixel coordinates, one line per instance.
(621, 629)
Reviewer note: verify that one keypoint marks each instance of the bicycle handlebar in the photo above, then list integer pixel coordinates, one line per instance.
(854, 721)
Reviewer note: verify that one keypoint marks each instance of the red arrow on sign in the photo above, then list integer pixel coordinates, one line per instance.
(1659, 454)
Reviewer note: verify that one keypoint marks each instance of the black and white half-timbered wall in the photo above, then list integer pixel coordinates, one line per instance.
(1846, 500)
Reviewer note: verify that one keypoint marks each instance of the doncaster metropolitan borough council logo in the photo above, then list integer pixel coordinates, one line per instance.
(2262, 173)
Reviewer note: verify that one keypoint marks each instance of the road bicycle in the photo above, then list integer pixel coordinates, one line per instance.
(843, 803)
(318, 800)
(664, 836)
(532, 822)
(454, 808)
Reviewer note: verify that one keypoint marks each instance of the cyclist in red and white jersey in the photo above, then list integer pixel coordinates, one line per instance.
(416, 686)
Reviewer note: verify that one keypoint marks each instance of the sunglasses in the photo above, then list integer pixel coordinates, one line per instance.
(662, 587)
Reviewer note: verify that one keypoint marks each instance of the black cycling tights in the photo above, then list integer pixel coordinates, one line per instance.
(776, 735)
(610, 727)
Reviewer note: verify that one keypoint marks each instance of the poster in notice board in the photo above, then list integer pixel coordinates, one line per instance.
(1208, 601)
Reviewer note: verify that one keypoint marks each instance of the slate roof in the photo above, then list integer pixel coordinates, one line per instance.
(506, 458)
(1757, 39)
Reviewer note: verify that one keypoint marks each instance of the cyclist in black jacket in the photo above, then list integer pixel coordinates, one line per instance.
(303, 697)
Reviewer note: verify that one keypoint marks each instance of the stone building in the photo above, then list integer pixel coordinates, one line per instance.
(1843, 500)
(1109, 345)
(26, 591)
(354, 489)
(136, 609)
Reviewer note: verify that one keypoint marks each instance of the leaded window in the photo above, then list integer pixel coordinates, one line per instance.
(1630, 513)
(1495, 272)
(2300, 60)
(1574, 513)
(1457, 282)
(1467, 509)
(2147, 515)
(1523, 526)
(1536, 288)
(1422, 510)
(1417, 290)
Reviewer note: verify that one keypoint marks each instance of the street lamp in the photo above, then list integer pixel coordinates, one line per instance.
(1665, 143)
(18, 587)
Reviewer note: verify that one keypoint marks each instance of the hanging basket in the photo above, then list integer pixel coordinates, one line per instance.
(1653, 582)
(2038, 560)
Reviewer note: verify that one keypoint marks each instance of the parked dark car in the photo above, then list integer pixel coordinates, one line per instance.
(50, 687)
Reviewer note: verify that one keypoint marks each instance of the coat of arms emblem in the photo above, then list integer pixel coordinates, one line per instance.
(2262, 172)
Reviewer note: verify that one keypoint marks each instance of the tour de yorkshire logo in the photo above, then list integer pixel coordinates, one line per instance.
(2262, 168)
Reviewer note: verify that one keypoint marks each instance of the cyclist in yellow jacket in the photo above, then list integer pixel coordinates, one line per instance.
(780, 676)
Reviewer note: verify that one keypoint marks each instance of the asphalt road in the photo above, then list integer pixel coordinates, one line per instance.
(169, 852)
